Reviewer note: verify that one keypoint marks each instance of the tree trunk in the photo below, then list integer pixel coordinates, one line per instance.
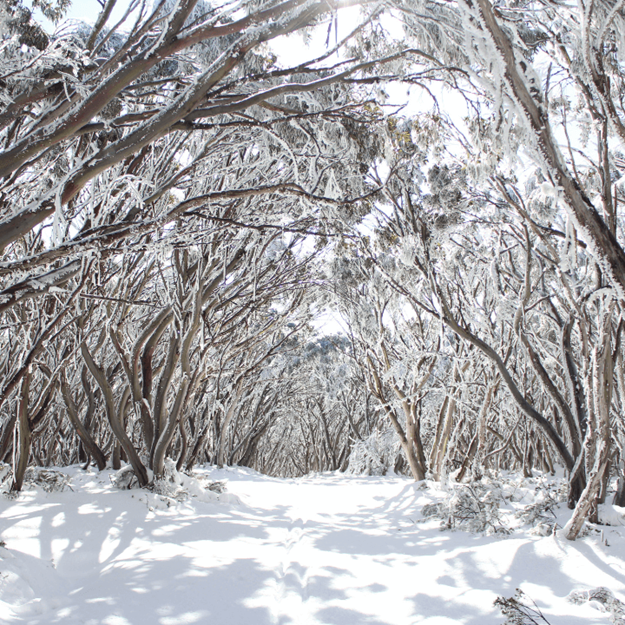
(619, 495)
(22, 452)
(598, 435)
(605, 247)
(115, 420)
(86, 439)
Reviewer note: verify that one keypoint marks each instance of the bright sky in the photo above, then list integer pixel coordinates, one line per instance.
(87, 10)
(292, 49)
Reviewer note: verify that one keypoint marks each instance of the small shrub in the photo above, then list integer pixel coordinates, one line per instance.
(180, 486)
(50, 481)
(374, 455)
(520, 610)
(125, 478)
(470, 507)
(542, 511)
(217, 487)
(603, 600)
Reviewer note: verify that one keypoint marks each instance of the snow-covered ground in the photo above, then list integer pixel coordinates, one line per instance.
(326, 549)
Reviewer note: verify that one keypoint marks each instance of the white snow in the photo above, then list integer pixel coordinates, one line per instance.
(326, 549)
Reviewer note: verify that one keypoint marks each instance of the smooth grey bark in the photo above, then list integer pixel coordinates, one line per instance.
(24, 436)
(87, 440)
(115, 419)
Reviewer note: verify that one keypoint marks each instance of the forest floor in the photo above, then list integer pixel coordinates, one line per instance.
(326, 549)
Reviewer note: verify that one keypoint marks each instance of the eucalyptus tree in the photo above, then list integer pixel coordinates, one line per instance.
(378, 332)
(146, 173)
(526, 265)
(533, 315)
(108, 117)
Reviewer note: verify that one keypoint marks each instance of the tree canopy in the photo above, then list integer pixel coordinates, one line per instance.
(178, 205)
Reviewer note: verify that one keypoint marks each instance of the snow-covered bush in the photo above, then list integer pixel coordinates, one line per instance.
(501, 505)
(540, 513)
(521, 610)
(374, 455)
(125, 478)
(470, 507)
(518, 610)
(180, 486)
(603, 600)
(175, 484)
(49, 480)
(170, 485)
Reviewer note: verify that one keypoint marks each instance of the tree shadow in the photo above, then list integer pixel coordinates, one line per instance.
(126, 557)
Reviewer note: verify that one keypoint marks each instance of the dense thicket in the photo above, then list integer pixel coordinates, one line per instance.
(177, 206)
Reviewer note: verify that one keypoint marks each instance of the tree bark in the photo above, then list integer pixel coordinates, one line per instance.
(24, 437)
(115, 419)
(87, 440)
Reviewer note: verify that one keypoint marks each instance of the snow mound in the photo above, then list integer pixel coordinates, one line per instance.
(124, 479)
(611, 515)
(181, 486)
(176, 485)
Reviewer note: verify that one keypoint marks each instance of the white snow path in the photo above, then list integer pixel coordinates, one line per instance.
(322, 550)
